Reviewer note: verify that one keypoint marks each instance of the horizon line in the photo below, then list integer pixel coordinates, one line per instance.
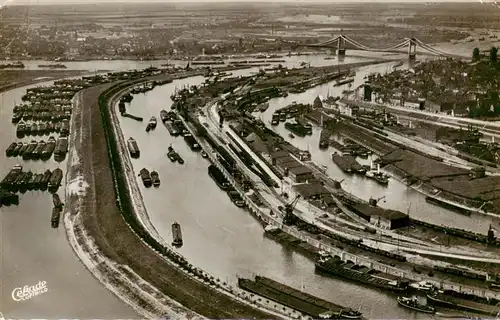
(12, 3)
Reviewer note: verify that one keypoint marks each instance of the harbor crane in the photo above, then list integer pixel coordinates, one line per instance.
(373, 201)
(290, 218)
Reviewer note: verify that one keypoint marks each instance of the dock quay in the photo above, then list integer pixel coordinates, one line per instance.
(298, 300)
(458, 303)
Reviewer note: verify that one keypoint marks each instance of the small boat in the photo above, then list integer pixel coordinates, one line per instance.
(155, 177)
(291, 135)
(236, 198)
(204, 154)
(412, 303)
(176, 235)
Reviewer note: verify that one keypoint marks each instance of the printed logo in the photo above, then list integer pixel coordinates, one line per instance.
(28, 292)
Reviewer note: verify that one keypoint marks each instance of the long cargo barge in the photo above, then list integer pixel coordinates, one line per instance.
(448, 206)
(8, 198)
(324, 139)
(131, 116)
(56, 215)
(171, 129)
(219, 178)
(133, 148)
(458, 303)
(348, 164)
(49, 149)
(348, 270)
(176, 235)
(298, 129)
(295, 299)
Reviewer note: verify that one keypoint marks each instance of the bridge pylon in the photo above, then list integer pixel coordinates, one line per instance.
(341, 46)
(412, 49)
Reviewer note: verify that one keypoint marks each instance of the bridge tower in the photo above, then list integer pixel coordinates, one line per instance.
(341, 46)
(412, 49)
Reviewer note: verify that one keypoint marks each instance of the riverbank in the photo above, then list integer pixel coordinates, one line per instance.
(118, 242)
(11, 79)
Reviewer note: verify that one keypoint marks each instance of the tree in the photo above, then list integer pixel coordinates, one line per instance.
(493, 54)
(475, 54)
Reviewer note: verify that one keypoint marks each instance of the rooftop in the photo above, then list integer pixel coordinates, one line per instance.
(307, 190)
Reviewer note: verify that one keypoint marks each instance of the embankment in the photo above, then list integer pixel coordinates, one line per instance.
(119, 235)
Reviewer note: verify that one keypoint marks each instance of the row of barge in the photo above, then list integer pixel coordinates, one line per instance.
(224, 185)
(39, 150)
(19, 180)
(150, 178)
(42, 128)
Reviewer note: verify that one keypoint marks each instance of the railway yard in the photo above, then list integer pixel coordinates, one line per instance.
(297, 202)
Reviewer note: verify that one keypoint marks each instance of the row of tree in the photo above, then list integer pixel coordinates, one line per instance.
(476, 54)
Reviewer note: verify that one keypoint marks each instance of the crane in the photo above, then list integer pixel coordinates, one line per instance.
(374, 201)
(289, 217)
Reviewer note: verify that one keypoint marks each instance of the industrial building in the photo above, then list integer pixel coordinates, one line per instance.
(311, 190)
(383, 218)
(288, 166)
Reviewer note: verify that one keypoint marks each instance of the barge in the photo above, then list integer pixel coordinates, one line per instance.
(54, 219)
(236, 198)
(174, 156)
(176, 235)
(131, 116)
(454, 301)
(49, 149)
(44, 181)
(146, 177)
(27, 154)
(61, 149)
(298, 300)
(164, 116)
(37, 153)
(8, 198)
(348, 164)
(9, 152)
(171, 129)
(324, 139)
(55, 180)
(447, 205)
(133, 148)
(192, 143)
(56, 201)
(336, 267)
(155, 178)
(218, 177)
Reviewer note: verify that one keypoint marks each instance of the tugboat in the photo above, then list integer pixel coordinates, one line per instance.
(412, 303)
(155, 177)
(151, 124)
(203, 154)
(171, 154)
(378, 176)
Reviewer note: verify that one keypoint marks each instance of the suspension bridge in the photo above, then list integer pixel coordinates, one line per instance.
(339, 43)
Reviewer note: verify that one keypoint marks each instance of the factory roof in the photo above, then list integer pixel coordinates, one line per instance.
(371, 211)
(307, 190)
(289, 164)
(279, 154)
(300, 170)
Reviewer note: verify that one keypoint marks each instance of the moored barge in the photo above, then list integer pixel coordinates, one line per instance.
(324, 139)
(171, 129)
(145, 177)
(348, 270)
(453, 300)
(61, 149)
(176, 235)
(56, 215)
(219, 178)
(155, 178)
(298, 300)
(348, 164)
(192, 143)
(414, 304)
(133, 148)
(55, 180)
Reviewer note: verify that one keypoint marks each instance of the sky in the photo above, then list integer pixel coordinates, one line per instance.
(34, 2)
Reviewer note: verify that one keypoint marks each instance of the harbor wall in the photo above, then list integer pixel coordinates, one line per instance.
(263, 214)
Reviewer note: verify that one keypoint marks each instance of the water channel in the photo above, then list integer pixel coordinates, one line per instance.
(219, 237)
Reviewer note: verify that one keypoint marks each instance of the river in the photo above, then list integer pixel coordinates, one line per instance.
(219, 237)
(33, 251)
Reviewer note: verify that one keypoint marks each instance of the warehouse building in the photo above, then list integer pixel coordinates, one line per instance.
(383, 218)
